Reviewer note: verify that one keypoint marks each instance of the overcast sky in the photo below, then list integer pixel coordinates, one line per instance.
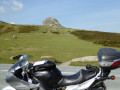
(99, 15)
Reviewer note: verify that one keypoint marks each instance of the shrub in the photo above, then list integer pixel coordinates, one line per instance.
(8, 29)
(104, 38)
(1, 26)
(55, 32)
(27, 29)
(44, 32)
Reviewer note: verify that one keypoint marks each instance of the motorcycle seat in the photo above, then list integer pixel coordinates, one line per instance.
(77, 78)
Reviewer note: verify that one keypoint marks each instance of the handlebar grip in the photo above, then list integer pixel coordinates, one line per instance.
(88, 66)
(92, 68)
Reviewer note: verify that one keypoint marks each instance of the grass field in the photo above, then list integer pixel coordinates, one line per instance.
(63, 46)
(43, 42)
(79, 63)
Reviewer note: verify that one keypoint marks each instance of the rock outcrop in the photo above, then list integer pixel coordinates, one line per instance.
(82, 59)
(52, 22)
(86, 59)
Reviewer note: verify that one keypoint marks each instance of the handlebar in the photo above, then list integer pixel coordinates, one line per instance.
(92, 68)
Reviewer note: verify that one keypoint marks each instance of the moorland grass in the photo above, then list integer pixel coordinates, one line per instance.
(45, 41)
(63, 47)
(80, 63)
(104, 38)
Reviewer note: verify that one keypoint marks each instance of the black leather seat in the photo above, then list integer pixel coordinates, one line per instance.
(77, 78)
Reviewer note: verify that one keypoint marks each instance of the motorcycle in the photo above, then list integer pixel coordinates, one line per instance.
(44, 75)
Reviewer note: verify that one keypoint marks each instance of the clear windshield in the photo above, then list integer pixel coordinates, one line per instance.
(22, 63)
(17, 77)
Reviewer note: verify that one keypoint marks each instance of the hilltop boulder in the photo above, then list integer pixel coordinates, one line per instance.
(52, 22)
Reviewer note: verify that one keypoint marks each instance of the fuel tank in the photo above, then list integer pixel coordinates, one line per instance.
(47, 73)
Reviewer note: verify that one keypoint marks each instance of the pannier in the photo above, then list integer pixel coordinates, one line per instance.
(109, 58)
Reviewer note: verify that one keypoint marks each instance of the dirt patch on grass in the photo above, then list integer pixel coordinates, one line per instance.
(81, 59)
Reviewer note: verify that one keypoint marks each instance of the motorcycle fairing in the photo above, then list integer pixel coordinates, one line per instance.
(17, 81)
(8, 88)
(85, 85)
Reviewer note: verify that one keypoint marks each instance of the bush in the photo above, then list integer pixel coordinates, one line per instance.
(6, 30)
(108, 43)
(44, 32)
(104, 38)
(1, 26)
(27, 29)
(56, 32)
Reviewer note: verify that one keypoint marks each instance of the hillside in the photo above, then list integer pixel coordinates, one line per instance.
(104, 38)
(41, 40)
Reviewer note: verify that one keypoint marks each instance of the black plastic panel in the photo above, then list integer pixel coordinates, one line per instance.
(50, 78)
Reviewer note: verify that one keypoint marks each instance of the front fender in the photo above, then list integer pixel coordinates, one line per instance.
(8, 88)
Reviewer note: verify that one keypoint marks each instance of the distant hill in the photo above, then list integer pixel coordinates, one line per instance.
(52, 25)
(43, 40)
(104, 38)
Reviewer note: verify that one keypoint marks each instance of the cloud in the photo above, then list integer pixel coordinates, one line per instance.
(5, 2)
(17, 5)
(12, 5)
(2, 9)
(12, 22)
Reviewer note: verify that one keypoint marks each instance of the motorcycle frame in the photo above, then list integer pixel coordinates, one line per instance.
(83, 86)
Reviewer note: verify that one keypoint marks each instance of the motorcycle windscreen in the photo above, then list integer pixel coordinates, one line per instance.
(22, 63)
(14, 76)
(18, 83)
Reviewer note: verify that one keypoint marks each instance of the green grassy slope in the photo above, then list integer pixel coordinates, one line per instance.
(104, 38)
(63, 46)
(44, 42)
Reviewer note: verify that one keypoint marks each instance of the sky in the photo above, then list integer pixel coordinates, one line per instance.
(96, 15)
